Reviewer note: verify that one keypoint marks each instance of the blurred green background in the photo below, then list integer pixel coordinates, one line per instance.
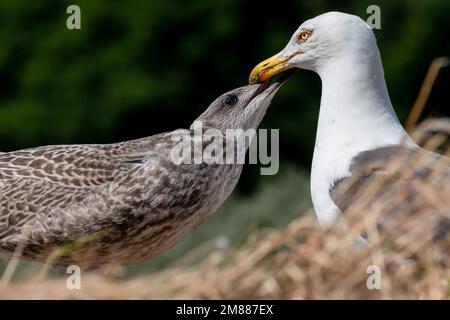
(139, 67)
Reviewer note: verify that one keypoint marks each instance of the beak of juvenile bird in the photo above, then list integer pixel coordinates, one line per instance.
(270, 67)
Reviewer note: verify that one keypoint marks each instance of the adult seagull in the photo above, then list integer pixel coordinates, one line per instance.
(358, 130)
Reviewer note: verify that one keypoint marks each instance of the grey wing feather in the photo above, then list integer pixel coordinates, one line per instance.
(398, 165)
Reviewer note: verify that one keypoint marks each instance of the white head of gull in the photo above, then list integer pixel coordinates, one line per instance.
(356, 114)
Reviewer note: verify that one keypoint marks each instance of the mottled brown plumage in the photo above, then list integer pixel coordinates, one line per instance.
(118, 203)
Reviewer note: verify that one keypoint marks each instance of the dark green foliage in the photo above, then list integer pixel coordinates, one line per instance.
(140, 67)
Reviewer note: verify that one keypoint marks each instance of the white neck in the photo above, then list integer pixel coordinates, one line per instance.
(356, 114)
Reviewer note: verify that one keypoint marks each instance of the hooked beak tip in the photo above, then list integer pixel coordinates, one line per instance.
(268, 68)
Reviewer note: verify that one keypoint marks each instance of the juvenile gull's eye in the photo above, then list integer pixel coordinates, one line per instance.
(230, 100)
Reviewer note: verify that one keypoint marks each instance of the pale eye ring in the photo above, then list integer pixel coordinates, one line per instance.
(304, 36)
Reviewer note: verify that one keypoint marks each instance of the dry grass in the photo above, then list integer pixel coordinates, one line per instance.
(303, 262)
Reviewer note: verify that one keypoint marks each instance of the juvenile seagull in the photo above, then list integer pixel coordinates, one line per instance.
(358, 130)
(118, 203)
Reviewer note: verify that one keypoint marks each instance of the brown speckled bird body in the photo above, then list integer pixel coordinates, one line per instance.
(115, 203)
(91, 198)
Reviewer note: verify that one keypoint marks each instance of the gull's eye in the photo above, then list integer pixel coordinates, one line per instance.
(304, 35)
(231, 100)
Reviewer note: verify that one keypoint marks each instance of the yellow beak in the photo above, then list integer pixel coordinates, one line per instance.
(268, 68)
